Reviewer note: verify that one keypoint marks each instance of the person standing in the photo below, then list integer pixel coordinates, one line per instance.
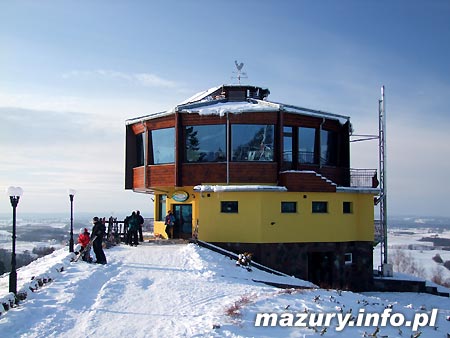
(170, 223)
(141, 224)
(99, 231)
(133, 225)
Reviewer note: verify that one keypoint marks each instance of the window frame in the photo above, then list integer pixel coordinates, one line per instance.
(162, 202)
(348, 258)
(349, 209)
(229, 207)
(152, 149)
(308, 157)
(319, 210)
(288, 211)
(254, 154)
(217, 157)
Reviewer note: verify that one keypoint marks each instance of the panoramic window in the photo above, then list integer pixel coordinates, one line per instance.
(205, 143)
(347, 207)
(163, 142)
(319, 207)
(229, 206)
(252, 142)
(140, 149)
(328, 147)
(287, 145)
(289, 207)
(306, 144)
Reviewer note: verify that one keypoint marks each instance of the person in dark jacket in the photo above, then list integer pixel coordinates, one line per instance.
(170, 223)
(133, 225)
(99, 231)
(141, 223)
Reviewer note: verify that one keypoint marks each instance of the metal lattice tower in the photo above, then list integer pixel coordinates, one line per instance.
(382, 160)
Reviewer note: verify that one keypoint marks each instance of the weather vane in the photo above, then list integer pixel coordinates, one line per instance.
(239, 73)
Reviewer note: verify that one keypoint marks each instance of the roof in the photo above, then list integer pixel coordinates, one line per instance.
(214, 102)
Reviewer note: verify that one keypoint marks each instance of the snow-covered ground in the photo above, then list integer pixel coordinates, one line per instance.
(182, 290)
(406, 242)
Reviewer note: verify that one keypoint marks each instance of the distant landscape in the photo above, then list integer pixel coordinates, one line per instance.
(39, 235)
(417, 245)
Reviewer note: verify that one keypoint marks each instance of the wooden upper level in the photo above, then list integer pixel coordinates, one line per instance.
(234, 135)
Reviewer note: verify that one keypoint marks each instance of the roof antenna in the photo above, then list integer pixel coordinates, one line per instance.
(239, 73)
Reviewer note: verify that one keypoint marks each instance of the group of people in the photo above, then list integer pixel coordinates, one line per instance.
(133, 224)
(95, 238)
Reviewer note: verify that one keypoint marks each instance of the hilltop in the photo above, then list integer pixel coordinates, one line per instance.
(186, 291)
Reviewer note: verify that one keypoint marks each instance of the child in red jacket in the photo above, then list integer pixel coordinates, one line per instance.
(83, 240)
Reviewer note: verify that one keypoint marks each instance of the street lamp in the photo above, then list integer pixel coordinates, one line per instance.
(14, 194)
(71, 194)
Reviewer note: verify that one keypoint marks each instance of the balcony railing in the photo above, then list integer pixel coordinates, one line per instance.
(365, 178)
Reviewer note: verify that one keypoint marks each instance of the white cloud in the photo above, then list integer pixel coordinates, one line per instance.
(143, 79)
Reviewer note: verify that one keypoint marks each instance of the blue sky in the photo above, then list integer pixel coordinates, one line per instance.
(72, 72)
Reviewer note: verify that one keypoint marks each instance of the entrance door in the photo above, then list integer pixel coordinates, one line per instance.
(183, 221)
(320, 268)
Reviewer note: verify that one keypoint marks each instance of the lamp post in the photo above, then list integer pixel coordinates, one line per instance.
(14, 194)
(71, 195)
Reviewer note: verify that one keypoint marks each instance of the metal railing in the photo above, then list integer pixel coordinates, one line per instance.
(366, 178)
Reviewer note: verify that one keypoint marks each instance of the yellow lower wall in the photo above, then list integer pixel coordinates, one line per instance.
(260, 220)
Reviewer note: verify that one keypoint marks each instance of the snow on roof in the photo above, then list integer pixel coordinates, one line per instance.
(221, 108)
(361, 190)
(315, 113)
(200, 95)
(224, 188)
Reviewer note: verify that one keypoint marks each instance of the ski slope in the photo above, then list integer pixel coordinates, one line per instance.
(181, 291)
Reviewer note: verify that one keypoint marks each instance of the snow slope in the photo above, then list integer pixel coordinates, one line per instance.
(182, 291)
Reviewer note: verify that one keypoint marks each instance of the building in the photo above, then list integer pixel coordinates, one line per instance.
(248, 174)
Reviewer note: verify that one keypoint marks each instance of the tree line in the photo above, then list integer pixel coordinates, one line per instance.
(22, 258)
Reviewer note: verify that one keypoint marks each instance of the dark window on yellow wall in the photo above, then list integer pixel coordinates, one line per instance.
(289, 207)
(161, 207)
(347, 207)
(320, 207)
(229, 206)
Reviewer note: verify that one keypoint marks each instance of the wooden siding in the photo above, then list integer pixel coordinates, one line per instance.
(244, 118)
(198, 173)
(297, 120)
(162, 122)
(157, 176)
(252, 172)
(138, 128)
(254, 118)
(138, 178)
(198, 120)
(161, 175)
(305, 181)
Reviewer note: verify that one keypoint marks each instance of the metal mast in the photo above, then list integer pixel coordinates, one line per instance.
(382, 160)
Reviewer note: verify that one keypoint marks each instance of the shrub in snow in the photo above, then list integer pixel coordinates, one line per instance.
(406, 263)
(447, 264)
(438, 259)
